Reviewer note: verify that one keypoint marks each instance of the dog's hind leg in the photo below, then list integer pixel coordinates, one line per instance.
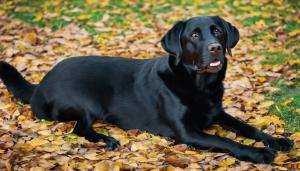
(84, 127)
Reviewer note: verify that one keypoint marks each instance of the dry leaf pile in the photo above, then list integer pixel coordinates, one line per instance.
(27, 143)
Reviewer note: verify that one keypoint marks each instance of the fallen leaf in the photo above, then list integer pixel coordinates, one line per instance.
(248, 141)
(266, 103)
(37, 142)
(287, 102)
(227, 162)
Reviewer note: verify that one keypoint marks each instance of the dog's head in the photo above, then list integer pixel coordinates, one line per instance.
(200, 43)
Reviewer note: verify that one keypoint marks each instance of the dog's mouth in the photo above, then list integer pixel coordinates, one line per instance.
(215, 63)
(212, 67)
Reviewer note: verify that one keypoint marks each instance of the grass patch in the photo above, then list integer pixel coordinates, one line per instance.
(89, 29)
(58, 23)
(292, 25)
(274, 58)
(287, 100)
(208, 6)
(29, 18)
(288, 111)
(250, 20)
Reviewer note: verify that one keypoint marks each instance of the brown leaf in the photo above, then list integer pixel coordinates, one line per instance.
(106, 166)
(180, 147)
(177, 161)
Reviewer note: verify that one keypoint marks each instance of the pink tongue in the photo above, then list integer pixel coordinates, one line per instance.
(216, 63)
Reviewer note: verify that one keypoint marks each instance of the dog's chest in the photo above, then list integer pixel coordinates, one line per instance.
(205, 109)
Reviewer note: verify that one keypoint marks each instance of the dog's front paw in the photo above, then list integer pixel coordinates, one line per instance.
(281, 144)
(258, 155)
(111, 144)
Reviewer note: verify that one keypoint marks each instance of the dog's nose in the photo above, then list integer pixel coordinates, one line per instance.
(214, 48)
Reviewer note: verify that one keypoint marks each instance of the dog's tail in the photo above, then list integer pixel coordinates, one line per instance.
(15, 83)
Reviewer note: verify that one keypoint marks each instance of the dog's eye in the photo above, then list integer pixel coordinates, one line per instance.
(217, 31)
(195, 35)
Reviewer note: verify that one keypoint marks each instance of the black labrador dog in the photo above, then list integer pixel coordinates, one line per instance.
(175, 96)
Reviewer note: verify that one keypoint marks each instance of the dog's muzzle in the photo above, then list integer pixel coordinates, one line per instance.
(212, 67)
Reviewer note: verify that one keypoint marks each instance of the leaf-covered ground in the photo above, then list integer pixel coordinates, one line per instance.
(262, 80)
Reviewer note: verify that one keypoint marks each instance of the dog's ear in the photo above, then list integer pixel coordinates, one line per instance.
(171, 41)
(232, 34)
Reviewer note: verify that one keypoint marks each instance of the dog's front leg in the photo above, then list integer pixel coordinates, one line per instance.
(220, 144)
(243, 129)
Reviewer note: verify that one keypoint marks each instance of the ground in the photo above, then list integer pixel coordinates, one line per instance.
(262, 83)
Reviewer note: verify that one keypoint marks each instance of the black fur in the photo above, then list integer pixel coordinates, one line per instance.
(175, 96)
(15, 83)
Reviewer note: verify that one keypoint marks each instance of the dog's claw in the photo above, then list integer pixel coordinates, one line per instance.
(281, 144)
(259, 155)
(112, 144)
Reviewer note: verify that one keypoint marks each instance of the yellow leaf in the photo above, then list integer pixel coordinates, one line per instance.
(295, 135)
(227, 162)
(104, 4)
(147, 166)
(211, 131)
(274, 119)
(266, 103)
(261, 79)
(91, 2)
(139, 159)
(60, 49)
(37, 142)
(231, 135)
(91, 156)
(82, 165)
(58, 141)
(280, 130)
(261, 23)
(143, 136)
(287, 102)
(297, 110)
(295, 152)
(102, 131)
(138, 146)
(36, 169)
(31, 38)
(221, 2)
(106, 166)
(248, 141)
(248, 8)
(294, 32)
(294, 62)
(44, 132)
(83, 17)
(2, 12)
(281, 158)
(258, 97)
(197, 157)
(22, 119)
(191, 152)
(260, 123)
(38, 17)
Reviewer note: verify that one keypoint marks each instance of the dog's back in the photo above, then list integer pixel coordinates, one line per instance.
(108, 88)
